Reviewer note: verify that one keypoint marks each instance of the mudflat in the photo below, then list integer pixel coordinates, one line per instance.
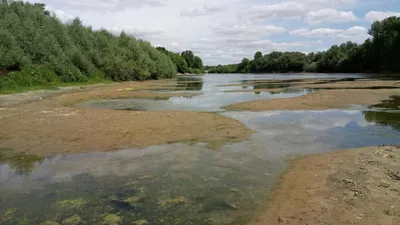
(46, 124)
(355, 186)
(327, 94)
(319, 100)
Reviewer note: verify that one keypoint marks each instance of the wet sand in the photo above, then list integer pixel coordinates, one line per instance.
(319, 100)
(47, 124)
(355, 186)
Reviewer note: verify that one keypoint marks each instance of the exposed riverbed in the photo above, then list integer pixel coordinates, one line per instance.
(176, 167)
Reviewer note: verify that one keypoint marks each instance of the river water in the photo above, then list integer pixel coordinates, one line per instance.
(188, 184)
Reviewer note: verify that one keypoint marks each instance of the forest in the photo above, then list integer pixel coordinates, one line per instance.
(38, 50)
(378, 54)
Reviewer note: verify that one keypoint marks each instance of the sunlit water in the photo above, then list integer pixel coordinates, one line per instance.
(180, 183)
(212, 94)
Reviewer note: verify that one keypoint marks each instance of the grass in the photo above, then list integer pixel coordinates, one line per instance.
(42, 78)
(50, 86)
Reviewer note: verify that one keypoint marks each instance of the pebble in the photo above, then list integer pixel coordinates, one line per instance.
(384, 184)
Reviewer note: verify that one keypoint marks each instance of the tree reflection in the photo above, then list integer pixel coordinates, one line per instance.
(384, 118)
(392, 103)
(22, 164)
(190, 83)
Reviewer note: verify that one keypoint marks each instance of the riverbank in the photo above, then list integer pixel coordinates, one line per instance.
(355, 186)
(319, 100)
(324, 94)
(48, 123)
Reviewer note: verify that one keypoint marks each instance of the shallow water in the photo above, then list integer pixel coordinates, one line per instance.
(180, 183)
(212, 94)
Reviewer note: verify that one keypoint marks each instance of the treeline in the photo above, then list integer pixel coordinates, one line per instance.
(186, 62)
(37, 49)
(378, 54)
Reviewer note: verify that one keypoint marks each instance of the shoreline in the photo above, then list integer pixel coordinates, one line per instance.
(351, 186)
(319, 100)
(48, 125)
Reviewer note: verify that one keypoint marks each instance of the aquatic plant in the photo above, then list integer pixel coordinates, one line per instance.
(73, 220)
(146, 177)
(172, 201)
(48, 222)
(141, 222)
(111, 219)
(8, 214)
(69, 204)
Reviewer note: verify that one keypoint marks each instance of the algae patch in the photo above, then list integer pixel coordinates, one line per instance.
(146, 177)
(70, 204)
(111, 219)
(141, 222)
(171, 202)
(73, 220)
(48, 222)
(132, 200)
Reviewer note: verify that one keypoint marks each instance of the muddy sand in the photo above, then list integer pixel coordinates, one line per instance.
(47, 124)
(356, 186)
(319, 100)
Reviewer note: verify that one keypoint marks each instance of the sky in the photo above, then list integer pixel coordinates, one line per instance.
(226, 31)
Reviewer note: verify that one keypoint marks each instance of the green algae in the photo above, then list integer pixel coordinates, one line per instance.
(111, 219)
(10, 212)
(146, 177)
(73, 220)
(171, 202)
(141, 222)
(48, 222)
(70, 204)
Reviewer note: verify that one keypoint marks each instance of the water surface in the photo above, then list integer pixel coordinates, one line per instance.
(180, 183)
(213, 94)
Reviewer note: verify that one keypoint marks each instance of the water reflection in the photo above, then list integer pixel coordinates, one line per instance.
(305, 132)
(172, 184)
(391, 119)
(216, 91)
(180, 183)
(20, 163)
(390, 104)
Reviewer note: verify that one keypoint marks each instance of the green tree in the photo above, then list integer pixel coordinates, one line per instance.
(36, 48)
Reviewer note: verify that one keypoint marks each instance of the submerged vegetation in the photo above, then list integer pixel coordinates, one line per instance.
(377, 54)
(38, 50)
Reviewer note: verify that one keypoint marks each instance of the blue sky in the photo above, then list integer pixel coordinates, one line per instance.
(225, 31)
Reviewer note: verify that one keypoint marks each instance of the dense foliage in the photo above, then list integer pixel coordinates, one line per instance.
(186, 62)
(377, 54)
(37, 49)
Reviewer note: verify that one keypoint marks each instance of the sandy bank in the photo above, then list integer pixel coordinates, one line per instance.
(358, 186)
(52, 125)
(319, 100)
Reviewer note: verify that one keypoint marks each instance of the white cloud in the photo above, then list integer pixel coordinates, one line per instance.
(379, 15)
(103, 5)
(330, 1)
(203, 11)
(63, 16)
(356, 33)
(248, 29)
(223, 31)
(330, 16)
(138, 33)
(284, 10)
